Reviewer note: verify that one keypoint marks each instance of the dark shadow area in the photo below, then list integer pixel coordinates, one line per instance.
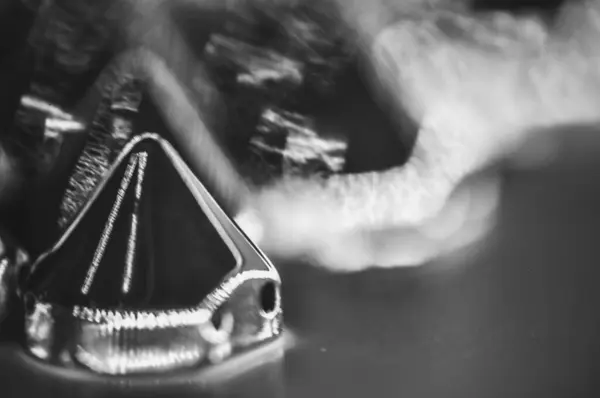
(375, 140)
(519, 6)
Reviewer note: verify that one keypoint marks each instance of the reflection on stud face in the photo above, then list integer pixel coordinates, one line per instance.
(151, 276)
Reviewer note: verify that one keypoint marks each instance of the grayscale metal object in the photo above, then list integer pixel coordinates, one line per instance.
(151, 276)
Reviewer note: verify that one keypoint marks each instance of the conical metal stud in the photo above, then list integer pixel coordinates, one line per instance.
(151, 276)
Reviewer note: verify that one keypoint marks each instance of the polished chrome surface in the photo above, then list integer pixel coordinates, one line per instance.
(242, 312)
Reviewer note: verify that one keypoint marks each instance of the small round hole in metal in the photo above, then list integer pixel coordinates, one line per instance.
(269, 298)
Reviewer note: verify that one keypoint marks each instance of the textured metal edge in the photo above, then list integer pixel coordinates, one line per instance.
(56, 337)
(102, 143)
(188, 338)
(158, 319)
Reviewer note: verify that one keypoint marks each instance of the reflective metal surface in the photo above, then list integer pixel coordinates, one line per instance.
(13, 263)
(109, 297)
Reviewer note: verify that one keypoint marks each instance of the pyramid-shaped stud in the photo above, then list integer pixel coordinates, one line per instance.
(151, 276)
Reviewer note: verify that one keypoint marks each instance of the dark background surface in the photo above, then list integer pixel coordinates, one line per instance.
(517, 319)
